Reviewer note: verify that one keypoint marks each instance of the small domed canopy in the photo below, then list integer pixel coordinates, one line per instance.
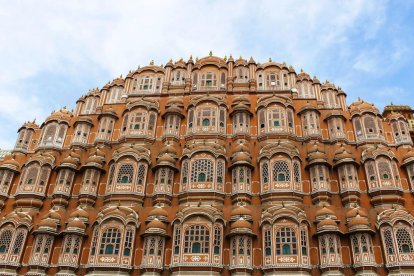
(240, 147)
(10, 164)
(117, 82)
(240, 104)
(47, 226)
(174, 106)
(166, 160)
(325, 212)
(241, 211)
(159, 213)
(241, 158)
(356, 211)
(95, 160)
(360, 107)
(327, 225)
(76, 223)
(342, 156)
(71, 161)
(303, 76)
(156, 224)
(29, 125)
(359, 224)
(81, 214)
(241, 224)
(408, 157)
(156, 227)
(308, 107)
(62, 115)
(316, 156)
(395, 116)
(241, 227)
(327, 85)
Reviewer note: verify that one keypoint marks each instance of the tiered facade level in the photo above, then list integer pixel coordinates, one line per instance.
(210, 167)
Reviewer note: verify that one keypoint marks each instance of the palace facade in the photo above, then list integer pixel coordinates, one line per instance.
(212, 166)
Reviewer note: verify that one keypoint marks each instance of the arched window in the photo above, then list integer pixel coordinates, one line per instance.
(310, 123)
(385, 172)
(241, 123)
(400, 131)
(139, 123)
(241, 176)
(242, 74)
(172, 124)
(11, 244)
(146, 83)
(207, 119)
(177, 239)
(41, 249)
(330, 250)
(208, 81)
(267, 241)
(81, 133)
(273, 81)
(178, 77)
(348, 177)
(398, 243)
(330, 99)
(106, 125)
(164, 180)
(286, 241)
(358, 128)
(24, 138)
(70, 250)
(64, 181)
(217, 240)
(184, 175)
(114, 95)
(54, 134)
(112, 239)
(265, 172)
(110, 242)
(404, 241)
(388, 241)
(241, 250)
(320, 178)
(281, 171)
(6, 178)
(370, 126)
(90, 105)
(5, 240)
(125, 174)
(90, 181)
(34, 179)
(336, 128)
(197, 240)
(305, 89)
(202, 170)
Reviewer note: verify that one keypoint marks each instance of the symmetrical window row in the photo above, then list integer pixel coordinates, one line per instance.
(210, 118)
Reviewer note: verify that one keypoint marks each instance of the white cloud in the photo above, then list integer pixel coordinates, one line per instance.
(108, 38)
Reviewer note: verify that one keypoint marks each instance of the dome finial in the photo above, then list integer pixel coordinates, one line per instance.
(152, 62)
(210, 53)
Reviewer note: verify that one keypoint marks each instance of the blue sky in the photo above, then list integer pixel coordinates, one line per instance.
(54, 51)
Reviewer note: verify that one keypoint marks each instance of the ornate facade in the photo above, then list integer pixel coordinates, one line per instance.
(212, 166)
